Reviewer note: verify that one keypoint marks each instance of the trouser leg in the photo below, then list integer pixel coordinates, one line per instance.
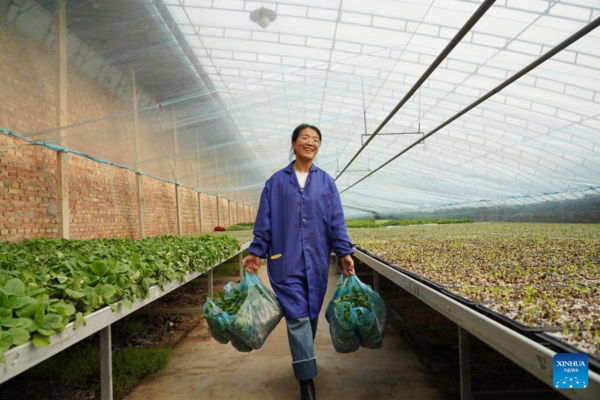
(301, 334)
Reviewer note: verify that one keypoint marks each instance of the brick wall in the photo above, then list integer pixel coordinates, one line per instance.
(102, 200)
(160, 207)
(27, 191)
(190, 219)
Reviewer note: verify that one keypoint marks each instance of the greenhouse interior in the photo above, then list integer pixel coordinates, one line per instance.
(412, 185)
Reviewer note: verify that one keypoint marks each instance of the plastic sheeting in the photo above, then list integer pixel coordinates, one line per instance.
(217, 96)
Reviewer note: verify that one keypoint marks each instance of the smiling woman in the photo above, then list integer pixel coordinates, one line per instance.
(300, 219)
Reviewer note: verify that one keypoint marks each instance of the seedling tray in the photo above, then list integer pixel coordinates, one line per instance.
(417, 277)
(460, 299)
(428, 282)
(523, 329)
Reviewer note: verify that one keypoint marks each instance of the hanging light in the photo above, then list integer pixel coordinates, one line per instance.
(263, 16)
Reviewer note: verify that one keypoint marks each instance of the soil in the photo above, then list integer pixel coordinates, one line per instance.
(434, 339)
(147, 331)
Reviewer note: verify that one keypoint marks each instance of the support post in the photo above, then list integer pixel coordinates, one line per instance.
(178, 202)
(465, 364)
(210, 283)
(106, 364)
(140, 198)
(376, 281)
(175, 143)
(218, 213)
(241, 259)
(61, 47)
(62, 158)
(200, 209)
(229, 212)
(134, 100)
(62, 181)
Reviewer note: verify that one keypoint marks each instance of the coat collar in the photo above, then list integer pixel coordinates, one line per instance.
(294, 179)
(290, 167)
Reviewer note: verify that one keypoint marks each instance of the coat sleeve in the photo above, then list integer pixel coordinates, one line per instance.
(340, 241)
(262, 226)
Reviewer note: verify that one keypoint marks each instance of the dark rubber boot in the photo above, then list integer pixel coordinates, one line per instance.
(307, 390)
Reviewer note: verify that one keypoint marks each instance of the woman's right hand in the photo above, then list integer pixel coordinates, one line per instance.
(252, 263)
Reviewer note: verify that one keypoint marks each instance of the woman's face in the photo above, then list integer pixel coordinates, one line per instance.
(307, 145)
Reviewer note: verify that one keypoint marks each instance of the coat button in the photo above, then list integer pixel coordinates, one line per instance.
(303, 219)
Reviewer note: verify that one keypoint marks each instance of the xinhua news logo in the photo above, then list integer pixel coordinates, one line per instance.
(570, 371)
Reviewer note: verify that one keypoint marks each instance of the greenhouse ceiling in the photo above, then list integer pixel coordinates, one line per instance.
(218, 95)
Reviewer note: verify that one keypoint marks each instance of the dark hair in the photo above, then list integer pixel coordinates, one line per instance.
(296, 133)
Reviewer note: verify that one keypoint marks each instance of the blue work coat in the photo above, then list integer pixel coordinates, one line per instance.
(295, 230)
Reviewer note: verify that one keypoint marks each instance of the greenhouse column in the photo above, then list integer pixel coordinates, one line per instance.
(106, 384)
(210, 282)
(465, 364)
(200, 209)
(140, 199)
(62, 180)
(132, 80)
(62, 158)
(376, 281)
(178, 203)
(218, 213)
(229, 212)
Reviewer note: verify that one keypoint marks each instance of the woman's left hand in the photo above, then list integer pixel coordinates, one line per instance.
(347, 265)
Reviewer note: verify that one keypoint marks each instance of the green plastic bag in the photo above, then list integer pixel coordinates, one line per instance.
(244, 315)
(356, 309)
(342, 328)
(219, 320)
(258, 315)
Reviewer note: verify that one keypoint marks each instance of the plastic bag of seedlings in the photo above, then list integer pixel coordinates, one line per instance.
(258, 315)
(218, 312)
(243, 314)
(212, 312)
(366, 308)
(371, 321)
(336, 295)
(342, 327)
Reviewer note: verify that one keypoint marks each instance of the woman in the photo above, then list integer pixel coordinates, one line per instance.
(300, 219)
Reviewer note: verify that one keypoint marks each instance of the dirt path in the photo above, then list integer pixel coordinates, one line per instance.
(203, 368)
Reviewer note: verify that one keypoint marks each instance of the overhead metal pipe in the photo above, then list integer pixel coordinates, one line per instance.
(449, 47)
(534, 64)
